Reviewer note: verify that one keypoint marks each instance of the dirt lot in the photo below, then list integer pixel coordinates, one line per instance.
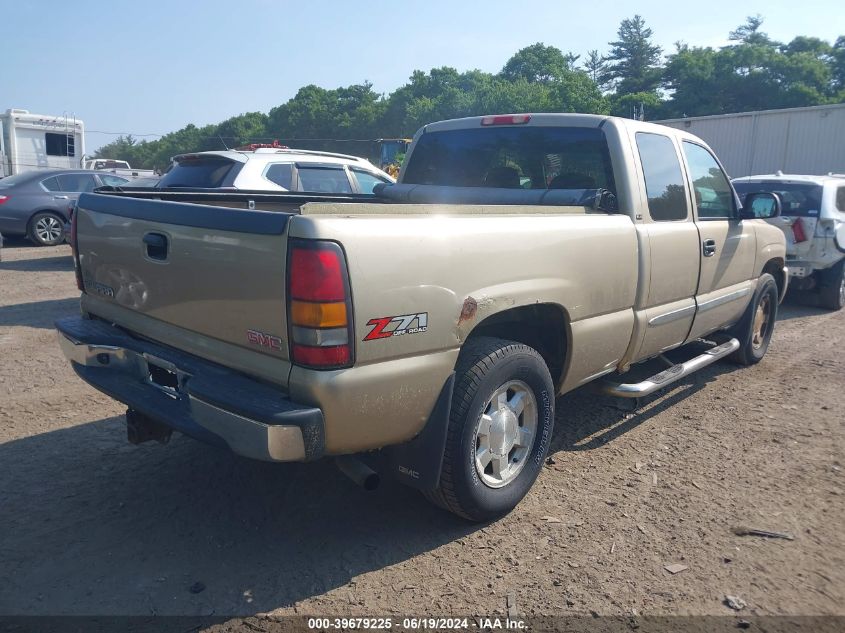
(92, 525)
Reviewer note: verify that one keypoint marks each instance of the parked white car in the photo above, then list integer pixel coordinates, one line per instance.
(813, 220)
(271, 169)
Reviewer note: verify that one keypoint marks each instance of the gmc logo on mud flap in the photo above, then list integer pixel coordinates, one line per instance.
(384, 327)
(264, 340)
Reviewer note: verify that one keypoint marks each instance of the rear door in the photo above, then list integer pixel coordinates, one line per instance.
(70, 186)
(727, 248)
(669, 239)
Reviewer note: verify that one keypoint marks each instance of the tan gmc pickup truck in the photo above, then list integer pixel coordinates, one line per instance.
(429, 326)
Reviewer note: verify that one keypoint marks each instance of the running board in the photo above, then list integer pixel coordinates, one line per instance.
(668, 376)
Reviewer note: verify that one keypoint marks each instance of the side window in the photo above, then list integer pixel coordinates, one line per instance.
(367, 181)
(280, 173)
(324, 179)
(113, 181)
(664, 180)
(59, 144)
(713, 194)
(840, 199)
(77, 183)
(51, 184)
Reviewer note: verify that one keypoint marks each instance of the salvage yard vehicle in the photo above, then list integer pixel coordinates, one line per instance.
(35, 203)
(519, 257)
(275, 169)
(813, 221)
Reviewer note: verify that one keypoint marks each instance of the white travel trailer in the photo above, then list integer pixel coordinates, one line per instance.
(37, 141)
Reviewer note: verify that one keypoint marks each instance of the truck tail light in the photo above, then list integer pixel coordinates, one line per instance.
(319, 305)
(798, 233)
(506, 119)
(74, 247)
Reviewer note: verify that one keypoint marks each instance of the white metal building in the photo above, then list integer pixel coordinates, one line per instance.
(36, 141)
(795, 140)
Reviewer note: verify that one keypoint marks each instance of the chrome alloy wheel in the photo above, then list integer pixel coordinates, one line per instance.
(505, 434)
(48, 229)
(761, 322)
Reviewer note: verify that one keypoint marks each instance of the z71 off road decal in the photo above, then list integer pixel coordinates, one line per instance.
(385, 327)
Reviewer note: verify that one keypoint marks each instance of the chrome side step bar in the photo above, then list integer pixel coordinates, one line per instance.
(670, 375)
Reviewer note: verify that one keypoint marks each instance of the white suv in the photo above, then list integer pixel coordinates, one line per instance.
(813, 220)
(271, 169)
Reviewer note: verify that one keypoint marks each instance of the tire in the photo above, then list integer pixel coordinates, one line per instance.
(46, 229)
(517, 439)
(832, 290)
(754, 330)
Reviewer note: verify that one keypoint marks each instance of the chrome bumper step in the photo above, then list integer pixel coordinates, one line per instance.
(670, 375)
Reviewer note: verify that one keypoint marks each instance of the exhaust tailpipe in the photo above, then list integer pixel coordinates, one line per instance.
(358, 472)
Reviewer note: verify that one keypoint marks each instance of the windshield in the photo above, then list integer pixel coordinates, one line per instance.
(207, 172)
(513, 158)
(797, 199)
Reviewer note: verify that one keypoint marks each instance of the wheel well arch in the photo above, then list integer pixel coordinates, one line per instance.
(543, 326)
(56, 212)
(775, 268)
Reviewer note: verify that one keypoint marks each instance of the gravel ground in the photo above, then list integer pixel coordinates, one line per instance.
(92, 525)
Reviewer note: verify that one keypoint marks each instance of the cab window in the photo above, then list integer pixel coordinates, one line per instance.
(664, 180)
(714, 197)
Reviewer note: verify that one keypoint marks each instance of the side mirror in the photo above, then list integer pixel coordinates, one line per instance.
(761, 205)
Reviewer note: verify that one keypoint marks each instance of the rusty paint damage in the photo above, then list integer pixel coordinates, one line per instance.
(468, 310)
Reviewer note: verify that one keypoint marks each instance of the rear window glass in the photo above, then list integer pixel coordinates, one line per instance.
(51, 184)
(513, 158)
(797, 199)
(77, 182)
(280, 173)
(323, 179)
(204, 173)
(367, 181)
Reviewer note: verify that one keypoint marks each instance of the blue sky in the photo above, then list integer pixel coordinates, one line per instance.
(149, 66)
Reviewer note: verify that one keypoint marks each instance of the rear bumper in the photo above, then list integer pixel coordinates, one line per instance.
(204, 400)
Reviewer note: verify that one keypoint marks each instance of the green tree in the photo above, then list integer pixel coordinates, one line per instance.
(539, 63)
(750, 33)
(595, 65)
(243, 129)
(633, 61)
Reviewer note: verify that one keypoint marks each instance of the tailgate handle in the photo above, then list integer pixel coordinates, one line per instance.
(156, 246)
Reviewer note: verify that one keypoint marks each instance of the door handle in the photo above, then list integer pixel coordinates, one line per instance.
(61, 197)
(156, 246)
(708, 247)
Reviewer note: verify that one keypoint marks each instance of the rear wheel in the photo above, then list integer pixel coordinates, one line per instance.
(755, 329)
(46, 229)
(832, 291)
(499, 430)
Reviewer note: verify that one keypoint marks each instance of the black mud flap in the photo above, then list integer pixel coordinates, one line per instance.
(417, 463)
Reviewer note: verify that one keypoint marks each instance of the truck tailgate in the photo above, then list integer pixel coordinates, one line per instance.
(210, 280)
